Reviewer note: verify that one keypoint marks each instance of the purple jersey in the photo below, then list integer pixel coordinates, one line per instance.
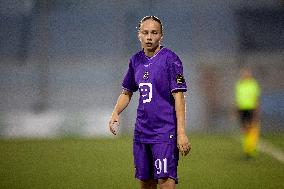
(156, 78)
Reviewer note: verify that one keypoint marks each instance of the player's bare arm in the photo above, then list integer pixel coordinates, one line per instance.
(182, 140)
(122, 102)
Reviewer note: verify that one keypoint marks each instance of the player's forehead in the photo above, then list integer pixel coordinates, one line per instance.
(150, 25)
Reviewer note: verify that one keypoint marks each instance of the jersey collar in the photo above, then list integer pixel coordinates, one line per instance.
(149, 58)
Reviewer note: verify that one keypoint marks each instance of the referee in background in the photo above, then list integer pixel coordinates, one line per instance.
(247, 94)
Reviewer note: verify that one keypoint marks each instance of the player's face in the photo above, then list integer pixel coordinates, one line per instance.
(150, 35)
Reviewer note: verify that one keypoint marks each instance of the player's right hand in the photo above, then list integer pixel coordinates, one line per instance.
(113, 123)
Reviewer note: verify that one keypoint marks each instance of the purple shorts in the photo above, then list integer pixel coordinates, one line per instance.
(155, 161)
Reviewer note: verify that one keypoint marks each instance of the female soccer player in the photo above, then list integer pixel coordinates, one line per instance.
(159, 133)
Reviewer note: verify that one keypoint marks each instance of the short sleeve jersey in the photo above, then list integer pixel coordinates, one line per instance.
(247, 93)
(155, 78)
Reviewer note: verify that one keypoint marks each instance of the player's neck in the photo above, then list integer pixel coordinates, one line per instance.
(152, 53)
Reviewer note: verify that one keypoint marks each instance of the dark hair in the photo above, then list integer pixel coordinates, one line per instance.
(148, 18)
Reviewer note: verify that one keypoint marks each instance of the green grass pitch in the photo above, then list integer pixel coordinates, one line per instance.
(215, 162)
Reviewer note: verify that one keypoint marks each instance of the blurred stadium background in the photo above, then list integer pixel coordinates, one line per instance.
(62, 62)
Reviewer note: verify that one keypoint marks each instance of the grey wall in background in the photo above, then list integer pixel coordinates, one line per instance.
(88, 45)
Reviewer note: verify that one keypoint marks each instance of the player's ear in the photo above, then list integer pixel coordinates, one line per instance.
(161, 38)
(138, 36)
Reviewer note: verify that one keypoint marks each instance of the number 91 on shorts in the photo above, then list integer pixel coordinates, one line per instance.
(155, 161)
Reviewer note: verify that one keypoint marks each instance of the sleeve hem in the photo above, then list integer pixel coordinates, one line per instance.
(128, 89)
(177, 89)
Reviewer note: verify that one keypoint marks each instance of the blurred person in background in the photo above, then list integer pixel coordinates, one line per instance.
(247, 95)
(159, 133)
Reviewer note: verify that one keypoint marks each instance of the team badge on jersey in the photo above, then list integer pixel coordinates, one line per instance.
(180, 79)
(146, 75)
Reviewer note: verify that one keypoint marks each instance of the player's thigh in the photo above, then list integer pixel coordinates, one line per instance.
(167, 183)
(148, 184)
(165, 160)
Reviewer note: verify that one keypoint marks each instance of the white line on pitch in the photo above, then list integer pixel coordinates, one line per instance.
(268, 148)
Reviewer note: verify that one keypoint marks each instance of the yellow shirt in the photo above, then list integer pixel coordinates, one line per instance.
(247, 93)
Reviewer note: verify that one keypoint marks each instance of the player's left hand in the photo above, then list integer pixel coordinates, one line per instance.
(183, 144)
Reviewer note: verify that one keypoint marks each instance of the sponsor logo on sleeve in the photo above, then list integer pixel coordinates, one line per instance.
(180, 79)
